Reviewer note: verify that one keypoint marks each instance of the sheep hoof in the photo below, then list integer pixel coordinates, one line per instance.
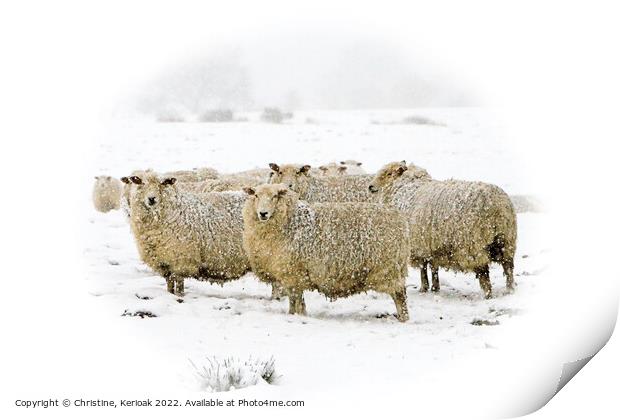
(435, 289)
(277, 293)
(423, 289)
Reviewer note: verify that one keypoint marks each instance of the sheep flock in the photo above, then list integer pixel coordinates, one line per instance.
(334, 229)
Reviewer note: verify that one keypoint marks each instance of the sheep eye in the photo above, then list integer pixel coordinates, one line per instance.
(270, 174)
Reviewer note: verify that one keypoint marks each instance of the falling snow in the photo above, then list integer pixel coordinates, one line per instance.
(357, 339)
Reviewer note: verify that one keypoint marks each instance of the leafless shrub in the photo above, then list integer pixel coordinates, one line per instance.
(275, 115)
(170, 117)
(220, 375)
(412, 119)
(217, 115)
(419, 120)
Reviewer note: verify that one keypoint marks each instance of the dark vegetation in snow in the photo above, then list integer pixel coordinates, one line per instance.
(141, 314)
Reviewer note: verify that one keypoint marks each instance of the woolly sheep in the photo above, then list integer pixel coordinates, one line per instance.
(231, 182)
(180, 234)
(256, 173)
(457, 225)
(353, 167)
(352, 188)
(330, 169)
(107, 193)
(195, 175)
(338, 249)
(344, 167)
(225, 183)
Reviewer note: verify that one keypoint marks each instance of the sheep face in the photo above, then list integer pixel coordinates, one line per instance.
(387, 175)
(103, 180)
(289, 175)
(332, 169)
(151, 190)
(350, 162)
(266, 200)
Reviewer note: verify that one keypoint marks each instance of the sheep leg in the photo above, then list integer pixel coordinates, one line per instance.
(424, 278)
(180, 286)
(435, 275)
(170, 284)
(485, 282)
(296, 303)
(508, 266)
(277, 292)
(400, 300)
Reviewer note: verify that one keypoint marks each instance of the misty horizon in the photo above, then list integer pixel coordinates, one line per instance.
(293, 74)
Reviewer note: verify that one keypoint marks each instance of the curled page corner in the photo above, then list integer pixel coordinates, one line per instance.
(569, 370)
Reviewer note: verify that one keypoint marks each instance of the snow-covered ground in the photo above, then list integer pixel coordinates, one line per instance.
(356, 340)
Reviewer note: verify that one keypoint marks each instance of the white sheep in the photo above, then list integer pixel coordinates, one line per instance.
(353, 167)
(195, 175)
(338, 249)
(457, 225)
(107, 193)
(330, 169)
(351, 188)
(180, 234)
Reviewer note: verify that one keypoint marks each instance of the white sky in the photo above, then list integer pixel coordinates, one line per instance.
(305, 70)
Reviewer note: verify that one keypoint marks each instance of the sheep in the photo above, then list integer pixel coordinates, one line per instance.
(345, 167)
(330, 169)
(180, 234)
(256, 173)
(353, 167)
(338, 249)
(232, 182)
(225, 183)
(107, 193)
(457, 225)
(351, 188)
(195, 175)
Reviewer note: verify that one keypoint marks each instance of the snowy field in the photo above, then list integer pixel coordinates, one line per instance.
(357, 339)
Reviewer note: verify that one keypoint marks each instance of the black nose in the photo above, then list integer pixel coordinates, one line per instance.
(263, 214)
(372, 189)
(290, 186)
(151, 201)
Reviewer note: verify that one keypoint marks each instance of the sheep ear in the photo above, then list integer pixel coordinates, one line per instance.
(323, 168)
(342, 162)
(342, 168)
(169, 181)
(304, 169)
(125, 180)
(401, 169)
(249, 190)
(282, 192)
(96, 177)
(359, 163)
(274, 167)
(135, 179)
